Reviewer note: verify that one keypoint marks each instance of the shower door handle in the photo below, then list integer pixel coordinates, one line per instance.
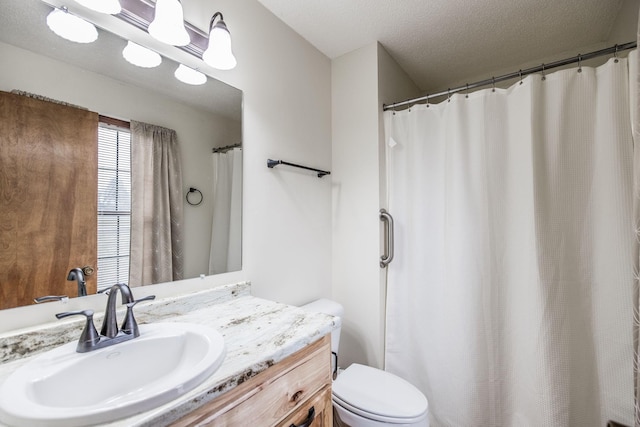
(387, 257)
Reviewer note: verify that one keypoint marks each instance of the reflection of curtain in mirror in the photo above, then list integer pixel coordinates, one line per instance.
(226, 248)
(156, 205)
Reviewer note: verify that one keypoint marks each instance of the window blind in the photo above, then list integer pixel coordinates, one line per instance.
(114, 205)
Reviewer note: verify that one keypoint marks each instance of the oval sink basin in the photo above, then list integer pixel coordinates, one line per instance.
(65, 388)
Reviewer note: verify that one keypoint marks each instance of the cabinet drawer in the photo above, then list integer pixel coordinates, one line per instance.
(322, 409)
(272, 395)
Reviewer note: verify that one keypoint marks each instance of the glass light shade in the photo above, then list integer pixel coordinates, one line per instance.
(189, 75)
(168, 23)
(141, 56)
(218, 53)
(111, 7)
(71, 27)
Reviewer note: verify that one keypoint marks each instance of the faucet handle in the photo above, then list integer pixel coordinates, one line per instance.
(89, 336)
(130, 326)
(49, 298)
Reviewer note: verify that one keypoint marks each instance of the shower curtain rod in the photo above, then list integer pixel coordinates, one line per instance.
(225, 148)
(518, 74)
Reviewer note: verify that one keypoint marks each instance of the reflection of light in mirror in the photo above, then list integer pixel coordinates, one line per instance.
(141, 56)
(168, 23)
(189, 75)
(71, 27)
(111, 7)
(218, 54)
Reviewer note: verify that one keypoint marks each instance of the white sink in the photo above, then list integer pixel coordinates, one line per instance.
(65, 388)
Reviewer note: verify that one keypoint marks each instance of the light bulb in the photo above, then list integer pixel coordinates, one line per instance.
(71, 27)
(189, 75)
(111, 7)
(218, 53)
(141, 56)
(168, 23)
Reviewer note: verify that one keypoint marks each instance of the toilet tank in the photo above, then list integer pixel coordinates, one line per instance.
(332, 308)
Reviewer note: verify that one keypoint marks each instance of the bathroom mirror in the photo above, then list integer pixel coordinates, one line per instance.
(95, 76)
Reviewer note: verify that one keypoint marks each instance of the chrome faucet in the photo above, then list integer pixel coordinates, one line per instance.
(78, 275)
(110, 334)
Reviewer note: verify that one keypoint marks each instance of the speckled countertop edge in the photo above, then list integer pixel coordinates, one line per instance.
(258, 333)
(30, 341)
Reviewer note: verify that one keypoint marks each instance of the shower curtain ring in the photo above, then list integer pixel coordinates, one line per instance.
(615, 54)
(543, 76)
(428, 101)
(520, 73)
(493, 83)
(466, 95)
(449, 95)
(579, 62)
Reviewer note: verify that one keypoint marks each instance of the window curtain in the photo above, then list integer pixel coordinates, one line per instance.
(510, 297)
(226, 230)
(156, 206)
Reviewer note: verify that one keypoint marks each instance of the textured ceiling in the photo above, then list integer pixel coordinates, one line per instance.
(440, 42)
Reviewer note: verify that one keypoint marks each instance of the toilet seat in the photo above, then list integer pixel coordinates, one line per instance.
(378, 395)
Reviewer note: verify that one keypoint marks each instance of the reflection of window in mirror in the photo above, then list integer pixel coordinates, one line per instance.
(114, 204)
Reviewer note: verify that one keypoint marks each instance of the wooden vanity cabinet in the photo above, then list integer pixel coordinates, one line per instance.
(282, 395)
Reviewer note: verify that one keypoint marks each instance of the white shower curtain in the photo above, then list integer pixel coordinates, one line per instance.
(226, 231)
(510, 297)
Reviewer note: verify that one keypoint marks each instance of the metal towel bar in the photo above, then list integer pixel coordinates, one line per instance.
(272, 163)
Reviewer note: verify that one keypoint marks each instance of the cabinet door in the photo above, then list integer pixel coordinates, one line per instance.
(48, 198)
(319, 405)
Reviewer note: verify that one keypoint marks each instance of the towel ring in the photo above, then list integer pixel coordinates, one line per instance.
(194, 190)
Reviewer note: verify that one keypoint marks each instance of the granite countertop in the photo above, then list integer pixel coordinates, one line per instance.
(258, 333)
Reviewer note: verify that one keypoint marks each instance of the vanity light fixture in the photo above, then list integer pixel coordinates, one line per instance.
(71, 27)
(111, 7)
(218, 54)
(140, 56)
(189, 75)
(168, 23)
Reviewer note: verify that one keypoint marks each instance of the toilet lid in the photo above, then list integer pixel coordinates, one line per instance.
(375, 393)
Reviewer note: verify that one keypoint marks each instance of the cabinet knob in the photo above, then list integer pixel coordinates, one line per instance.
(310, 417)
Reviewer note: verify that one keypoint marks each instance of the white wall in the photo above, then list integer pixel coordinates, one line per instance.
(362, 81)
(287, 115)
(356, 283)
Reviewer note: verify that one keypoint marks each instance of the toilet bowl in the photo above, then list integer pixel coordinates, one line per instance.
(364, 396)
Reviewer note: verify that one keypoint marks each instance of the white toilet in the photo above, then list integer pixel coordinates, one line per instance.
(368, 397)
